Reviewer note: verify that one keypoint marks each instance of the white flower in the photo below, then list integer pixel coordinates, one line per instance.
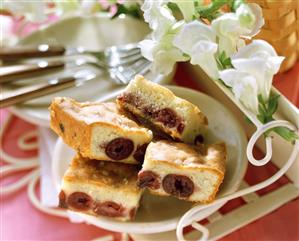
(147, 48)
(255, 64)
(158, 16)
(34, 11)
(243, 86)
(187, 8)
(261, 61)
(162, 52)
(229, 27)
(165, 59)
(251, 18)
(198, 41)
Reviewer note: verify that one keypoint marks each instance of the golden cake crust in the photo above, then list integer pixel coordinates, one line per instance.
(182, 156)
(171, 96)
(75, 121)
(103, 174)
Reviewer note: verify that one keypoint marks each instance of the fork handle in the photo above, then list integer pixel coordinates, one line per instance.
(32, 92)
(17, 72)
(24, 52)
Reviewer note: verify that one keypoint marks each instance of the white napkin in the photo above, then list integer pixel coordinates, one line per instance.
(49, 194)
(47, 140)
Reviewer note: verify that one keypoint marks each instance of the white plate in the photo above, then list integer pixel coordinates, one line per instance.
(94, 33)
(160, 214)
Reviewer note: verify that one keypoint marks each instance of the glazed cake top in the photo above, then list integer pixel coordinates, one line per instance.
(183, 155)
(94, 112)
(103, 173)
(140, 86)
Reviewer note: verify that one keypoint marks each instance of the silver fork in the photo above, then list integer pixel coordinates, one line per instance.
(117, 60)
(111, 56)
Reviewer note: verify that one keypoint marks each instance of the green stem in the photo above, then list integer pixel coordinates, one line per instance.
(210, 11)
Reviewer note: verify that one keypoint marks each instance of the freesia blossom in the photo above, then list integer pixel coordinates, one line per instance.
(251, 18)
(162, 52)
(158, 16)
(257, 60)
(160, 49)
(243, 86)
(187, 8)
(229, 27)
(199, 41)
(261, 61)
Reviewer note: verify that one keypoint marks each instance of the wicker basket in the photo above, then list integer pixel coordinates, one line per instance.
(281, 28)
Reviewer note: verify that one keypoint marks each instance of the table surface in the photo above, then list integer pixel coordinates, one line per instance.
(21, 221)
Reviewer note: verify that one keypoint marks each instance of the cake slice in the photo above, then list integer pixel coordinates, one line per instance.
(101, 188)
(158, 108)
(187, 172)
(99, 131)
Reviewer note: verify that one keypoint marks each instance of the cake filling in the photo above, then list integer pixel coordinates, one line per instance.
(178, 185)
(109, 209)
(79, 201)
(62, 200)
(132, 213)
(119, 148)
(166, 116)
(140, 152)
(148, 179)
(199, 139)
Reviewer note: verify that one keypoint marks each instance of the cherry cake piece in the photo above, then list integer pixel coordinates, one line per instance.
(99, 131)
(158, 108)
(101, 188)
(192, 173)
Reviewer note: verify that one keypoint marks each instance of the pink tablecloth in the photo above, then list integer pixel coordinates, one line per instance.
(21, 221)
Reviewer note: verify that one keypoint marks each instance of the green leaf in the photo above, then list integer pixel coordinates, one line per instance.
(210, 12)
(261, 118)
(223, 61)
(173, 7)
(260, 99)
(273, 104)
(133, 10)
(186, 55)
(227, 63)
(262, 110)
(286, 133)
(266, 110)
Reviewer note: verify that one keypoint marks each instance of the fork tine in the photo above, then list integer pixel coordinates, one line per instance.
(125, 61)
(126, 50)
(146, 68)
(122, 79)
(126, 47)
(124, 74)
(123, 54)
(142, 68)
(115, 58)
